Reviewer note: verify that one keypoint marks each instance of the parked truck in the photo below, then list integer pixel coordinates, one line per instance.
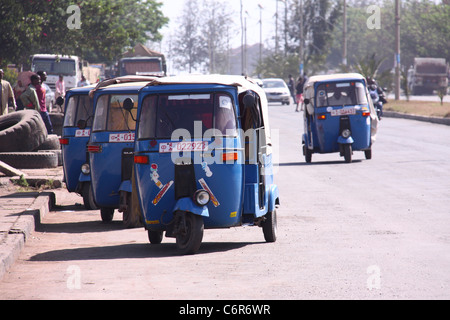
(154, 66)
(427, 75)
(55, 65)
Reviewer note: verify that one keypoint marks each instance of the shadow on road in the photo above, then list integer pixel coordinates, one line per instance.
(133, 251)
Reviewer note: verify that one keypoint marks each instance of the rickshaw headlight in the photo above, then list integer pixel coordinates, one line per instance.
(346, 133)
(201, 197)
(85, 168)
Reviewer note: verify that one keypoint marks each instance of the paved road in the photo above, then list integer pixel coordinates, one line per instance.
(372, 229)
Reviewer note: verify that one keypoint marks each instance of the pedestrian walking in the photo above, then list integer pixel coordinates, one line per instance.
(29, 97)
(40, 91)
(6, 95)
(291, 86)
(299, 91)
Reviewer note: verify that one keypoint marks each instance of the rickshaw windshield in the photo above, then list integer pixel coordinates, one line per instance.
(340, 94)
(196, 113)
(110, 116)
(79, 107)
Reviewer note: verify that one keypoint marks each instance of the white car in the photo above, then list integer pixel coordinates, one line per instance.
(276, 90)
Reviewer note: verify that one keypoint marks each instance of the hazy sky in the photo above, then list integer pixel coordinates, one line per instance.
(173, 9)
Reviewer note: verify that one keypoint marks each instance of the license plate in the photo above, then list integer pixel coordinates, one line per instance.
(183, 146)
(343, 112)
(121, 137)
(83, 133)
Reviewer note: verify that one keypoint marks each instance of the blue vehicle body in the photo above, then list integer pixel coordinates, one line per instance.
(111, 147)
(233, 167)
(339, 116)
(78, 106)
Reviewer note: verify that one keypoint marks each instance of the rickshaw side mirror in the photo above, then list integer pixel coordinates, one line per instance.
(306, 101)
(60, 101)
(81, 124)
(128, 104)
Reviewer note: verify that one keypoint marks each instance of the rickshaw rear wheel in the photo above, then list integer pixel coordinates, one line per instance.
(189, 239)
(155, 237)
(368, 154)
(88, 197)
(106, 214)
(307, 153)
(270, 226)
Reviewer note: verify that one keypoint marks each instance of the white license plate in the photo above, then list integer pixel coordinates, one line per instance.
(343, 112)
(183, 146)
(121, 137)
(82, 133)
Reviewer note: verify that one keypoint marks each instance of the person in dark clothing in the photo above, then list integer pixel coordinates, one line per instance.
(299, 91)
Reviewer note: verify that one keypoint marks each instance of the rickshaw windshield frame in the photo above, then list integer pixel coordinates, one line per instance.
(110, 114)
(340, 93)
(79, 107)
(163, 113)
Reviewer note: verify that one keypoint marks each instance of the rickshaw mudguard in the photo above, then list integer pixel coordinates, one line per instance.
(126, 186)
(187, 204)
(273, 196)
(84, 177)
(342, 140)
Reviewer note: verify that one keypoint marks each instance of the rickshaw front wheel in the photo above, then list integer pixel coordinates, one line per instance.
(270, 226)
(155, 237)
(348, 152)
(106, 214)
(189, 238)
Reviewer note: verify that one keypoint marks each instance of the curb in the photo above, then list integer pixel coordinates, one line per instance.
(25, 224)
(438, 120)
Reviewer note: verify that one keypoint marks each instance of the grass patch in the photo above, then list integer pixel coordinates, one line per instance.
(423, 108)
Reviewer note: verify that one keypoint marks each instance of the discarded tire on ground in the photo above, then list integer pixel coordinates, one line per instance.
(58, 155)
(21, 131)
(50, 143)
(30, 160)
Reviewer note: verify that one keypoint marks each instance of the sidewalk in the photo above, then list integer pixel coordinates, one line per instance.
(21, 210)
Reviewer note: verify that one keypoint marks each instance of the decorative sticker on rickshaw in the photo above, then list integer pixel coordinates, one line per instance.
(155, 175)
(82, 133)
(162, 192)
(183, 146)
(207, 170)
(211, 195)
(121, 137)
(343, 112)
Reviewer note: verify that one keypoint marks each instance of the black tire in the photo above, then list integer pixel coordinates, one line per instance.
(155, 237)
(368, 154)
(269, 226)
(348, 153)
(308, 154)
(106, 214)
(30, 160)
(58, 155)
(88, 197)
(190, 242)
(51, 143)
(22, 131)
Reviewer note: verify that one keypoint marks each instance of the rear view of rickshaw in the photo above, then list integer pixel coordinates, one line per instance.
(339, 116)
(203, 158)
(78, 109)
(111, 147)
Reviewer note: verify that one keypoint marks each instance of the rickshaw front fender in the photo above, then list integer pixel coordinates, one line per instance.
(274, 197)
(187, 204)
(126, 186)
(84, 177)
(342, 140)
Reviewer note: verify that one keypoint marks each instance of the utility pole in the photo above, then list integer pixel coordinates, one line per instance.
(260, 33)
(301, 66)
(397, 49)
(344, 33)
(242, 42)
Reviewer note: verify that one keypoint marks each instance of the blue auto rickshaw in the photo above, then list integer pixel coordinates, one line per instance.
(78, 109)
(111, 147)
(339, 116)
(203, 158)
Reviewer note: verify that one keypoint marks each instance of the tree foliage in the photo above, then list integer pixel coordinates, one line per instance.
(107, 28)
